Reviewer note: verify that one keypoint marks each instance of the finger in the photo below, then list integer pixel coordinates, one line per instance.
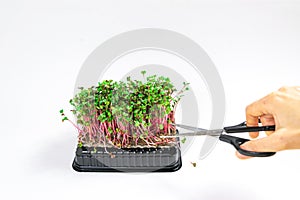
(267, 120)
(253, 135)
(252, 121)
(241, 156)
(260, 107)
(272, 143)
(254, 111)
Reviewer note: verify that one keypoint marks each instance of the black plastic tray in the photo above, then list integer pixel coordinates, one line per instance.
(161, 159)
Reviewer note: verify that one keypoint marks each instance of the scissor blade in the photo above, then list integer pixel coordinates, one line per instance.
(189, 127)
(215, 132)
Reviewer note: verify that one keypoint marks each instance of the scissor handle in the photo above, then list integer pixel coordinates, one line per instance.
(237, 142)
(242, 127)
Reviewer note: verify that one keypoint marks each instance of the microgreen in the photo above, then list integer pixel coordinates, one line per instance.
(126, 113)
(183, 140)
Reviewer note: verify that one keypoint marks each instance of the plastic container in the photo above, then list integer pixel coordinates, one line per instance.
(161, 159)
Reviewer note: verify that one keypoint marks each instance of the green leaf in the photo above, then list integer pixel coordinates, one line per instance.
(161, 127)
(61, 111)
(143, 72)
(136, 123)
(64, 119)
(183, 140)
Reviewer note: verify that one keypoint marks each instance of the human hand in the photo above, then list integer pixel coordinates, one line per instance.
(281, 108)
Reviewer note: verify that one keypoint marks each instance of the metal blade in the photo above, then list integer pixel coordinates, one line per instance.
(215, 132)
(189, 127)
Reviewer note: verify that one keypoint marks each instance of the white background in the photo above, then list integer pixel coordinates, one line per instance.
(255, 46)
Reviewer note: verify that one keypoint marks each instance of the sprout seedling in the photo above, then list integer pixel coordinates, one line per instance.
(126, 114)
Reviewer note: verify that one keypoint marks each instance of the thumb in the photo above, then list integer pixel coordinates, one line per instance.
(271, 143)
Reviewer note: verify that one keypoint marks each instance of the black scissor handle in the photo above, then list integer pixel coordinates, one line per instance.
(237, 142)
(242, 127)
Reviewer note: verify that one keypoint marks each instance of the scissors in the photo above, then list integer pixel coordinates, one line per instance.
(235, 141)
